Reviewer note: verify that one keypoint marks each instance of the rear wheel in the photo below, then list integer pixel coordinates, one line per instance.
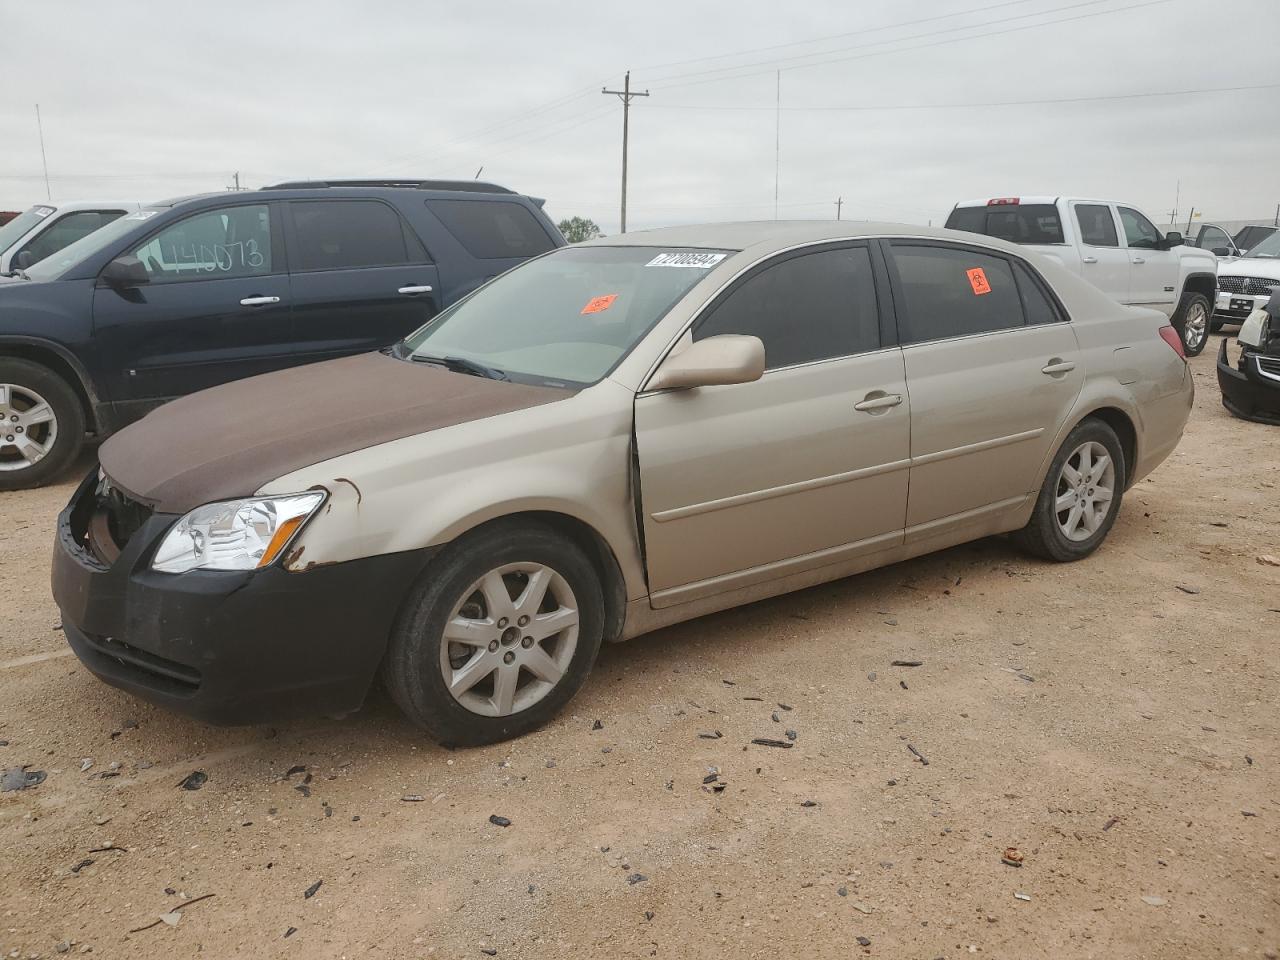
(41, 424)
(1080, 497)
(500, 632)
(1191, 320)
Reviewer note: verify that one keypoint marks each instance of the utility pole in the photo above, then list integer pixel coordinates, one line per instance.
(777, 141)
(839, 204)
(40, 127)
(625, 95)
(237, 179)
(1277, 221)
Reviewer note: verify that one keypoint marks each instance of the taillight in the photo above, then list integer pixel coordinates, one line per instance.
(1170, 336)
(1003, 202)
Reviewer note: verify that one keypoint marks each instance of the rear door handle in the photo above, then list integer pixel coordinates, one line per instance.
(878, 401)
(258, 301)
(1056, 366)
(1090, 259)
(1138, 261)
(414, 288)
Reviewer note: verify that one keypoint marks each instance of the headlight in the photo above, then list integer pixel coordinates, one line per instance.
(236, 534)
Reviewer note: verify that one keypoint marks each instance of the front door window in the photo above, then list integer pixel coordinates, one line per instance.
(217, 244)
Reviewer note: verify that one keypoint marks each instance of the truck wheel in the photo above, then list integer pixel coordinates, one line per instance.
(1191, 320)
(498, 634)
(1080, 497)
(41, 424)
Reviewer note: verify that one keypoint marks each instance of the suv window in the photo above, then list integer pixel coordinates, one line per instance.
(67, 230)
(1138, 230)
(954, 292)
(215, 244)
(1097, 226)
(1030, 223)
(493, 229)
(814, 306)
(345, 234)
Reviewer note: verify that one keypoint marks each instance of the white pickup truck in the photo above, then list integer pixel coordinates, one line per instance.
(1114, 246)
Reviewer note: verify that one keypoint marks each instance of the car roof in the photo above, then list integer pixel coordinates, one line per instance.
(781, 234)
(1046, 199)
(87, 204)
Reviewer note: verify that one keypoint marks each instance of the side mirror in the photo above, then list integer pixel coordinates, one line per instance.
(1222, 251)
(729, 358)
(123, 272)
(25, 259)
(1173, 239)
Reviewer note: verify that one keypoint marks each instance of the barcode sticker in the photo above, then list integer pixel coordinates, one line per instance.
(699, 261)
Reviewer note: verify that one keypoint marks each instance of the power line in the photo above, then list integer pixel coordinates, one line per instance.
(626, 94)
(770, 65)
(972, 104)
(837, 36)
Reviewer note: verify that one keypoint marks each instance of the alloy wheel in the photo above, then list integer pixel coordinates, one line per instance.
(509, 639)
(1086, 487)
(28, 427)
(1195, 327)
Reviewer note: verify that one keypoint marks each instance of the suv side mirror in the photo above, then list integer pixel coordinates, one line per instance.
(728, 358)
(1173, 239)
(125, 272)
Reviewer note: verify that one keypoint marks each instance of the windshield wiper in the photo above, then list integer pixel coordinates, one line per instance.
(462, 365)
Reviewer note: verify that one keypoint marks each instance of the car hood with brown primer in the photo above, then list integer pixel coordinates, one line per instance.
(228, 441)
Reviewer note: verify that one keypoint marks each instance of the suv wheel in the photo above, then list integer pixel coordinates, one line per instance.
(1191, 320)
(1080, 497)
(41, 424)
(499, 633)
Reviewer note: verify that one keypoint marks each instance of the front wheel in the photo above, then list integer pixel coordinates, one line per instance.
(500, 632)
(1080, 497)
(41, 424)
(1192, 323)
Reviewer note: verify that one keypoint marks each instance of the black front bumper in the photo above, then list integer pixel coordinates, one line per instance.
(1246, 392)
(226, 647)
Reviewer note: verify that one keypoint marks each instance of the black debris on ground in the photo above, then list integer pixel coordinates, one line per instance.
(918, 755)
(635, 878)
(20, 778)
(712, 735)
(598, 725)
(907, 663)
(766, 742)
(289, 933)
(311, 890)
(498, 821)
(194, 780)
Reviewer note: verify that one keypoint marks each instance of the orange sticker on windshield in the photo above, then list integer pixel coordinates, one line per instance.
(599, 304)
(978, 280)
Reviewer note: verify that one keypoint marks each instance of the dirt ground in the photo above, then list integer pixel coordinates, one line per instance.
(1120, 731)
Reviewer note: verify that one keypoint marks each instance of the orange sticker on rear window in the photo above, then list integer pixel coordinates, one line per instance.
(599, 304)
(978, 280)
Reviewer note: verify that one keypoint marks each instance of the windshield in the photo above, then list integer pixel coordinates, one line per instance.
(1268, 248)
(12, 231)
(55, 266)
(567, 317)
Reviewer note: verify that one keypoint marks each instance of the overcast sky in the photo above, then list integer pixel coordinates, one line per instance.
(148, 101)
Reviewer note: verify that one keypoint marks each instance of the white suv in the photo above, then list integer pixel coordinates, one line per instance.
(48, 227)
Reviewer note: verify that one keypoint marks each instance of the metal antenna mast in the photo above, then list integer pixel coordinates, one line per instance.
(625, 95)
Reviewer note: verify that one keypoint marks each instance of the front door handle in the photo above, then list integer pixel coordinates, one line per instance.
(414, 288)
(258, 301)
(1138, 261)
(877, 400)
(1090, 259)
(1056, 366)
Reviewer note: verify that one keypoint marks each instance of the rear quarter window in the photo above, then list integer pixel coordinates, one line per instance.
(493, 229)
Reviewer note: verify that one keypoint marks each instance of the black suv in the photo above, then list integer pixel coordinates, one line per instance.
(195, 292)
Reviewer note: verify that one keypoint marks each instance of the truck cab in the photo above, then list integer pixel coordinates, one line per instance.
(1115, 246)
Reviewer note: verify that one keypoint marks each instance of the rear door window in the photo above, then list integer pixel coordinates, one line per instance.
(954, 292)
(493, 229)
(1035, 223)
(1097, 226)
(1035, 302)
(814, 306)
(349, 234)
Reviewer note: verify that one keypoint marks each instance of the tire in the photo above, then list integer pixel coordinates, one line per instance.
(43, 416)
(458, 589)
(1216, 325)
(1192, 320)
(1045, 535)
